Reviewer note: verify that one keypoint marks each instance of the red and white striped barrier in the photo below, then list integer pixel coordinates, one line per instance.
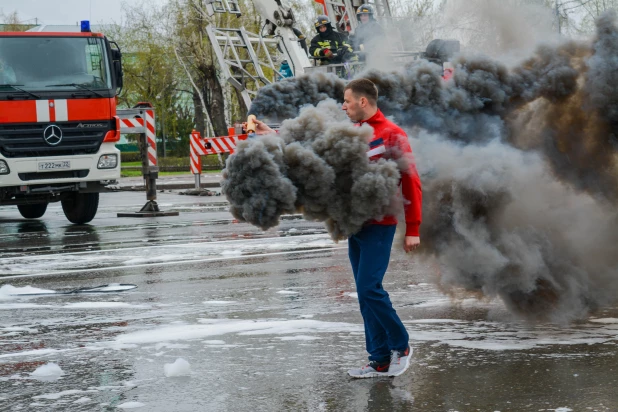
(141, 121)
(223, 144)
(197, 150)
(135, 125)
(150, 138)
(208, 146)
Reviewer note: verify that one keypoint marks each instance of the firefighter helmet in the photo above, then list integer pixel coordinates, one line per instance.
(322, 20)
(365, 9)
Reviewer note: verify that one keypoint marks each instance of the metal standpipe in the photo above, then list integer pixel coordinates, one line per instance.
(140, 119)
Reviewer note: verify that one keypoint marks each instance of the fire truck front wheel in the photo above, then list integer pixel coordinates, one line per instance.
(80, 208)
(32, 211)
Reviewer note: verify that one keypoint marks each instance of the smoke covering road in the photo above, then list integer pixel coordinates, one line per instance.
(518, 167)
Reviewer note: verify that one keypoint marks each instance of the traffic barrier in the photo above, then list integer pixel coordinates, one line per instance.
(150, 136)
(210, 145)
(141, 120)
(197, 150)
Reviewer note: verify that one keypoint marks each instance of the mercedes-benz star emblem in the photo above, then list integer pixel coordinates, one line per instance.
(52, 135)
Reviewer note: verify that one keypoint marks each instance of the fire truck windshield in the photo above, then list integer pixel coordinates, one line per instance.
(54, 63)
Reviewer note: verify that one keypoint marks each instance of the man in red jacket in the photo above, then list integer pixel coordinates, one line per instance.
(369, 250)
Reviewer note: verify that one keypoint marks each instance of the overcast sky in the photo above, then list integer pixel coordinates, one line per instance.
(67, 11)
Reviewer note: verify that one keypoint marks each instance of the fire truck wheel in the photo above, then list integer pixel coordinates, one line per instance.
(80, 207)
(32, 211)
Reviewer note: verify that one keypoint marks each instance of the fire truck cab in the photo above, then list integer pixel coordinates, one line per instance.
(58, 123)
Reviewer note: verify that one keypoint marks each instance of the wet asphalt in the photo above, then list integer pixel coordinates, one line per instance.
(267, 320)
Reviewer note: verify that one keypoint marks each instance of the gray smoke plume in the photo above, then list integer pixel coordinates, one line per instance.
(316, 165)
(518, 165)
(472, 106)
(501, 226)
(282, 100)
(254, 182)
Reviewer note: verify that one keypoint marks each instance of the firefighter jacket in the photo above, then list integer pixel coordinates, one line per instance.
(370, 35)
(336, 43)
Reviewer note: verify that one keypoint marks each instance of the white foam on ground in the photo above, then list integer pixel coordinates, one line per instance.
(214, 342)
(144, 255)
(37, 352)
(441, 302)
(11, 306)
(351, 294)
(49, 371)
(298, 337)
(76, 305)
(166, 345)
(605, 320)
(102, 305)
(179, 368)
(496, 336)
(131, 405)
(83, 400)
(6, 291)
(217, 327)
(220, 302)
(231, 253)
(18, 329)
(115, 287)
(58, 395)
(152, 259)
(288, 292)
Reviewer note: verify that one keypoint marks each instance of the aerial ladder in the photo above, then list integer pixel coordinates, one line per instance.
(248, 61)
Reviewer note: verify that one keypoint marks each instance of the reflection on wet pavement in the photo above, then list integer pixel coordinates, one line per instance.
(267, 321)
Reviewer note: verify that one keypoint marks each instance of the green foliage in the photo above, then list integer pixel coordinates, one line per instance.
(12, 22)
(129, 157)
(130, 160)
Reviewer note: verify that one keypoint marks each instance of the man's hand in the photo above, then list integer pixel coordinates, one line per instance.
(411, 243)
(260, 127)
(328, 54)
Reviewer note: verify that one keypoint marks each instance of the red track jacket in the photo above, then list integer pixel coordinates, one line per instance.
(388, 137)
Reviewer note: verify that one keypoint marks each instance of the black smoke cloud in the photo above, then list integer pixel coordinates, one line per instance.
(316, 165)
(518, 166)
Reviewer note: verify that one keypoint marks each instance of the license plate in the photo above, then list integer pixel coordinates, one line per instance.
(60, 165)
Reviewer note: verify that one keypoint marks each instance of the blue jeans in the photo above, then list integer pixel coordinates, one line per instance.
(369, 251)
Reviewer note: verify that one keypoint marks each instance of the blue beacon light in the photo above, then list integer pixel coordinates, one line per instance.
(85, 26)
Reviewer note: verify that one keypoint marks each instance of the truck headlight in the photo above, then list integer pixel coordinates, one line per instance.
(109, 161)
(4, 168)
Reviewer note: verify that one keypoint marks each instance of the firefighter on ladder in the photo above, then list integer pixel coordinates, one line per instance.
(369, 34)
(329, 46)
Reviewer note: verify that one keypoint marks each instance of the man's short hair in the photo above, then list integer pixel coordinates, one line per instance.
(364, 88)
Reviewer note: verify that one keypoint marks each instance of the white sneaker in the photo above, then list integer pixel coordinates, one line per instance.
(370, 370)
(400, 362)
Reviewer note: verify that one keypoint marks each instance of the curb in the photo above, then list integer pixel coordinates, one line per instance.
(171, 186)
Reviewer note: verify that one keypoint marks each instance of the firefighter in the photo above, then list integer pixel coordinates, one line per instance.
(328, 45)
(369, 34)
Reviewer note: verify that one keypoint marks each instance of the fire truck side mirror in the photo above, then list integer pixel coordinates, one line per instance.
(117, 64)
(119, 74)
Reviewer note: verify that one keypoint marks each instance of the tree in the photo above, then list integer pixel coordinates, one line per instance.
(12, 22)
(588, 11)
(197, 57)
(151, 73)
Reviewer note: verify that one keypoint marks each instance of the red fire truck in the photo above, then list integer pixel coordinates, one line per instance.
(58, 121)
